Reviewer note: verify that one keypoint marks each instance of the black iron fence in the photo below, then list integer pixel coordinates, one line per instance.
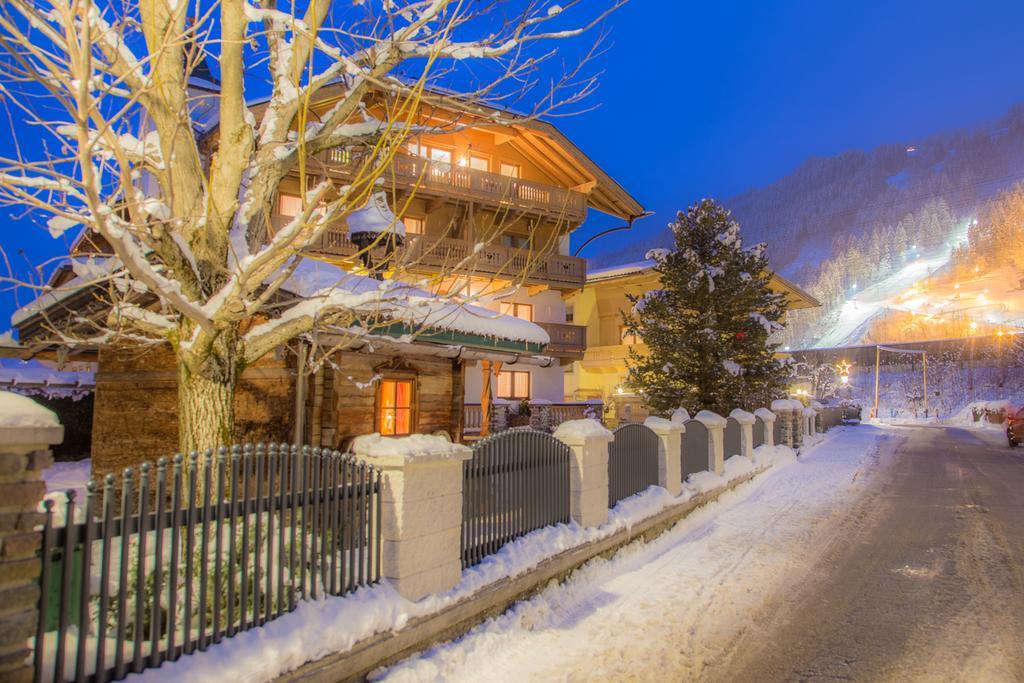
(197, 549)
(758, 431)
(517, 481)
(632, 462)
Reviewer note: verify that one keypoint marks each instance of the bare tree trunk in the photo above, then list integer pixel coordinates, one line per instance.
(206, 404)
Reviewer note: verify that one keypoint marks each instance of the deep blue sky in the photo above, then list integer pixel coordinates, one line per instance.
(708, 100)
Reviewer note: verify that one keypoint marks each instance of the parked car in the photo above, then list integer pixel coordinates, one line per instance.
(1015, 427)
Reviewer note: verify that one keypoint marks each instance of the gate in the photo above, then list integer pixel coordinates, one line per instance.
(695, 448)
(777, 429)
(517, 481)
(733, 440)
(632, 462)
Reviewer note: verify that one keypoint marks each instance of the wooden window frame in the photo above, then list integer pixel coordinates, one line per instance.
(513, 397)
(282, 195)
(414, 407)
(469, 156)
(430, 146)
(517, 167)
(421, 219)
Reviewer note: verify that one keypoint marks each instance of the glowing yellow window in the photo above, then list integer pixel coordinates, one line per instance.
(396, 397)
(289, 204)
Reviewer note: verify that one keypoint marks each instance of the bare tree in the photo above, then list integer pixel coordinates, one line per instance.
(180, 184)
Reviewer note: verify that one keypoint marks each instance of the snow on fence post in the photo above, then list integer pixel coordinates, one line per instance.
(768, 420)
(27, 430)
(421, 508)
(746, 421)
(588, 470)
(670, 445)
(716, 439)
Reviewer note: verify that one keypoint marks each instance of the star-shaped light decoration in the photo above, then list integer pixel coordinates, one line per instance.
(843, 368)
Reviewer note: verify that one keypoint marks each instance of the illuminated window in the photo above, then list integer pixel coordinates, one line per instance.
(414, 225)
(426, 151)
(395, 400)
(522, 311)
(627, 338)
(289, 204)
(514, 384)
(479, 163)
(510, 170)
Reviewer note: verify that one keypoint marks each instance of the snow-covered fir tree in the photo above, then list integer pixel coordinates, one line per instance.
(707, 328)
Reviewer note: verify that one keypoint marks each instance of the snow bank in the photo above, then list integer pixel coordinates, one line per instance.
(742, 416)
(765, 415)
(581, 429)
(21, 411)
(413, 446)
(710, 419)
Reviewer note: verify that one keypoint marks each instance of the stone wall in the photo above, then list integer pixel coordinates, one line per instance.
(23, 455)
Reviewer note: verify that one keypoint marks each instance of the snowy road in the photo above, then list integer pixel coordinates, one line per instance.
(679, 607)
(922, 582)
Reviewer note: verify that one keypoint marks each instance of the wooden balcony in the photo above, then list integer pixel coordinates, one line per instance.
(567, 341)
(451, 181)
(422, 253)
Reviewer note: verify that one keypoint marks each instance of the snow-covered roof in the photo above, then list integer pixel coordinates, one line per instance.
(322, 283)
(87, 272)
(610, 272)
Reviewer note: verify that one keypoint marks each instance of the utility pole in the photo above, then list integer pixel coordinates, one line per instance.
(878, 353)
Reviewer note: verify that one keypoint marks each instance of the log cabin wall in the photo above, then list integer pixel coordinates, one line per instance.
(342, 402)
(135, 418)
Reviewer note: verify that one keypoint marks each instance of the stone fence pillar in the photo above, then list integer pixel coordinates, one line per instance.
(768, 420)
(789, 429)
(421, 509)
(716, 439)
(746, 421)
(24, 453)
(588, 471)
(670, 444)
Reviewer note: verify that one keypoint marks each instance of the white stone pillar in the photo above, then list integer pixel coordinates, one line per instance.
(421, 507)
(588, 471)
(670, 446)
(768, 418)
(716, 439)
(746, 421)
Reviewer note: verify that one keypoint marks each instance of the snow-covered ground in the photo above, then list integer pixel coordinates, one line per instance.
(669, 609)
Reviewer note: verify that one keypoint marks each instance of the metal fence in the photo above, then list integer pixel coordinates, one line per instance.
(694, 456)
(758, 431)
(632, 462)
(732, 438)
(195, 550)
(516, 481)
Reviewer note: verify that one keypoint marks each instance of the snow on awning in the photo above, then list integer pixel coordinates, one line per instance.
(324, 284)
(87, 272)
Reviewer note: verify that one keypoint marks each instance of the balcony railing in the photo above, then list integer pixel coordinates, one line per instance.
(425, 253)
(461, 182)
(567, 341)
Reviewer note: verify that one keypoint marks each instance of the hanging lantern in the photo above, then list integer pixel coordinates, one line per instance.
(377, 224)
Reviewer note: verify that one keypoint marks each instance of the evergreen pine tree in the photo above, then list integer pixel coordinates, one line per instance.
(707, 327)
